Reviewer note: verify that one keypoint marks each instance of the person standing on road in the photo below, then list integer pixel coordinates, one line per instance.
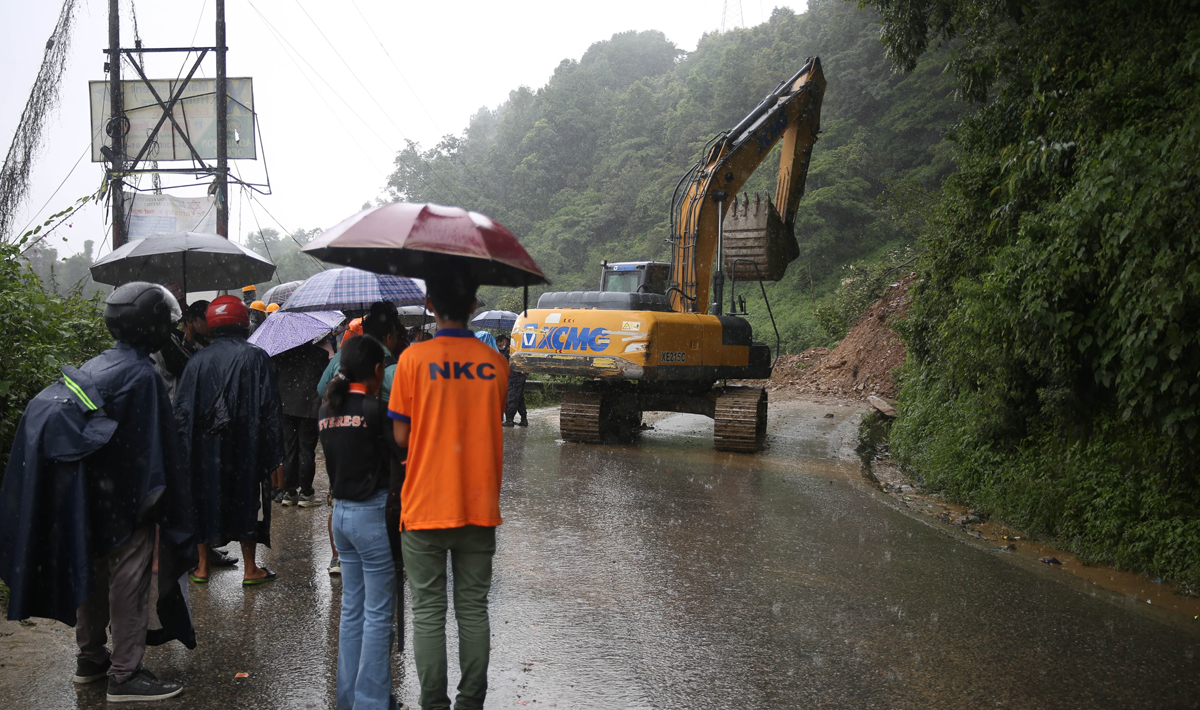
(447, 399)
(229, 417)
(297, 371)
(95, 466)
(516, 388)
(358, 448)
(383, 324)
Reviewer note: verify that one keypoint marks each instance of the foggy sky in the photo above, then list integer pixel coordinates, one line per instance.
(330, 148)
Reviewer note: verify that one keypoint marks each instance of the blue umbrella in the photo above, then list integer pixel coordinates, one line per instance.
(350, 289)
(500, 320)
(284, 330)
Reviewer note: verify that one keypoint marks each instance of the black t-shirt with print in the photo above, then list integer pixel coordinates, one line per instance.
(357, 447)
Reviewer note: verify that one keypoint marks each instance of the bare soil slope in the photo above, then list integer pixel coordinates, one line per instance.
(861, 365)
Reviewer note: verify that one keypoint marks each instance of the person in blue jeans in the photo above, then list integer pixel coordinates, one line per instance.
(354, 432)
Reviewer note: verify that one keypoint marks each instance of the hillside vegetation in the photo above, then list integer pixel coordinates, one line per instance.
(1053, 354)
(582, 169)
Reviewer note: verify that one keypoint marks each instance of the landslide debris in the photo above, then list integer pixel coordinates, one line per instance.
(860, 366)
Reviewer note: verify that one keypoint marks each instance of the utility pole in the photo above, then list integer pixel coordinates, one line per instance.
(116, 125)
(222, 181)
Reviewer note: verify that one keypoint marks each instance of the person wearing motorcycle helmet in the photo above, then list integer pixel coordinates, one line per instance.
(100, 445)
(142, 314)
(230, 422)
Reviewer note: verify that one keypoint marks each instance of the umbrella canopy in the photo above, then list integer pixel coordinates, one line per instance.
(427, 240)
(284, 330)
(279, 293)
(415, 315)
(353, 290)
(500, 320)
(193, 260)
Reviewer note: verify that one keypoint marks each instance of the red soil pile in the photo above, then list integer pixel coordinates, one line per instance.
(862, 363)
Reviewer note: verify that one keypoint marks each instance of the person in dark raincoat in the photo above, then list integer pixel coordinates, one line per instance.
(95, 465)
(228, 411)
(516, 389)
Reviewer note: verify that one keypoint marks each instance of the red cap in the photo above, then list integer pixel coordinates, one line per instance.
(227, 310)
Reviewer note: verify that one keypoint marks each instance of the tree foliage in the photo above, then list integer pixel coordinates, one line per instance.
(1054, 363)
(45, 331)
(582, 169)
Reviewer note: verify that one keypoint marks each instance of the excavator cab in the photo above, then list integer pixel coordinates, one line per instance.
(635, 277)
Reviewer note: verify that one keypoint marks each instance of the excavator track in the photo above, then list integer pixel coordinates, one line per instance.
(579, 417)
(592, 417)
(740, 419)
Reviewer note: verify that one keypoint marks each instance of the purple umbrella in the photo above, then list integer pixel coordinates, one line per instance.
(284, 330)
(350, 289)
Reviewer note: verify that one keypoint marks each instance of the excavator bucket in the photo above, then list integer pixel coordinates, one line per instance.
(758, 245)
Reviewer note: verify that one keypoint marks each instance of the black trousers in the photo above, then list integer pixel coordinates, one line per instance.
(300, 453)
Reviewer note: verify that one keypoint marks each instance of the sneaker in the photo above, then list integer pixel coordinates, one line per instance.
(90, 671)
(309, 501)
(142, 687)
(335, 566)
(523, 422)
(278, 496)
(290, 499)
(507, 422)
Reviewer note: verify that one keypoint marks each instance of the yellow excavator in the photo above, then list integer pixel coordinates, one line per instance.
(650, 339)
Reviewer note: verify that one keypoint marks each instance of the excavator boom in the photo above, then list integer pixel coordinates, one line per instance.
(791, 114)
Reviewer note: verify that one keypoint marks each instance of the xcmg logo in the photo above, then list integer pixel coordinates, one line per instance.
(566, 338)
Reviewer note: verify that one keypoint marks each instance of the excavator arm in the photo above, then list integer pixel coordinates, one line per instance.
(791, 114)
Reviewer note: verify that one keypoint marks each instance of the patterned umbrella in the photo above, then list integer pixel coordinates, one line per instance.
(498, 320)
(284, 330)
(354, 290)
(279, 293)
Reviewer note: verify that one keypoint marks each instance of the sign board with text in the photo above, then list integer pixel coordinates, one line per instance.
(149, 215)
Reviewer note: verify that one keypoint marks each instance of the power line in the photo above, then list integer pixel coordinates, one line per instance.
(289, 49)
(412, 91)
(372, 97)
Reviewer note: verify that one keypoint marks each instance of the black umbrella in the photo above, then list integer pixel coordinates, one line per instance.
(200, 262)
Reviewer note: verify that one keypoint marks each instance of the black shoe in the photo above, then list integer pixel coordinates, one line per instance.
(90, 671)
(278, 496)
(507, 423)
(290, 499)
(218, 558)
(523, 422)
(142, 687)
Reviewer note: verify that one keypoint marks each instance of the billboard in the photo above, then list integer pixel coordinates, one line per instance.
(162, 214)
(195, 112)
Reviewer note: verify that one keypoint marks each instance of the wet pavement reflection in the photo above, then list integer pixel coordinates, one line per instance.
(663, 574)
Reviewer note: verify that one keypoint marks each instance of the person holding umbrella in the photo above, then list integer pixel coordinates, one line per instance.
(229, 416)
(447, 398)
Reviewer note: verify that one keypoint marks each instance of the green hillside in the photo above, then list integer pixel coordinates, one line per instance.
(583, 168)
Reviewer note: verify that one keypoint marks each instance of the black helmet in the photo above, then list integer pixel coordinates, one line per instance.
(141, 313)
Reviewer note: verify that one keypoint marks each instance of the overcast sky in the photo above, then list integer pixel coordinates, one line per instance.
(330, 124)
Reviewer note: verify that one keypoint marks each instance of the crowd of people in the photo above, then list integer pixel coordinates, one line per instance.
(178, 441)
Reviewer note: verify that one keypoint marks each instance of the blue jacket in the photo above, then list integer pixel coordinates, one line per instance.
(95, 455)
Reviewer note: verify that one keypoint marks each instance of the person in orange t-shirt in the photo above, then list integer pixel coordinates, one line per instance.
(447, 402)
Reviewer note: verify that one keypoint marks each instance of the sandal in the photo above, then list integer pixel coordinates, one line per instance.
(196, 580)
(271, 576)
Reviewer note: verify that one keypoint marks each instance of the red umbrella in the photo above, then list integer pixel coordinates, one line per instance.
(426, 241)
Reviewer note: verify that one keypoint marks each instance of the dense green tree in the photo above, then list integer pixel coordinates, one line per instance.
(583, 168)
(1053, 371)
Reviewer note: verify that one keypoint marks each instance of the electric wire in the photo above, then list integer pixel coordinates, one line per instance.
(374, 100)
(289, 50)
(454, 156)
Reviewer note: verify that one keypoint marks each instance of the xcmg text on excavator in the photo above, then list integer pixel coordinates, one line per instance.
(650, 339)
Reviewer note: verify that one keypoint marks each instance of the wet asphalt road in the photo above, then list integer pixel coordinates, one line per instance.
(666, 575)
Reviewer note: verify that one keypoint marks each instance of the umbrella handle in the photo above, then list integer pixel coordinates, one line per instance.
(526, 301)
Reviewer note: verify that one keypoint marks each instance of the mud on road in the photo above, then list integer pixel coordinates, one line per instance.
(663, 574)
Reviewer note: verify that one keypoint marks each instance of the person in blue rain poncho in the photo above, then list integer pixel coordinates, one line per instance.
(95, 466)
